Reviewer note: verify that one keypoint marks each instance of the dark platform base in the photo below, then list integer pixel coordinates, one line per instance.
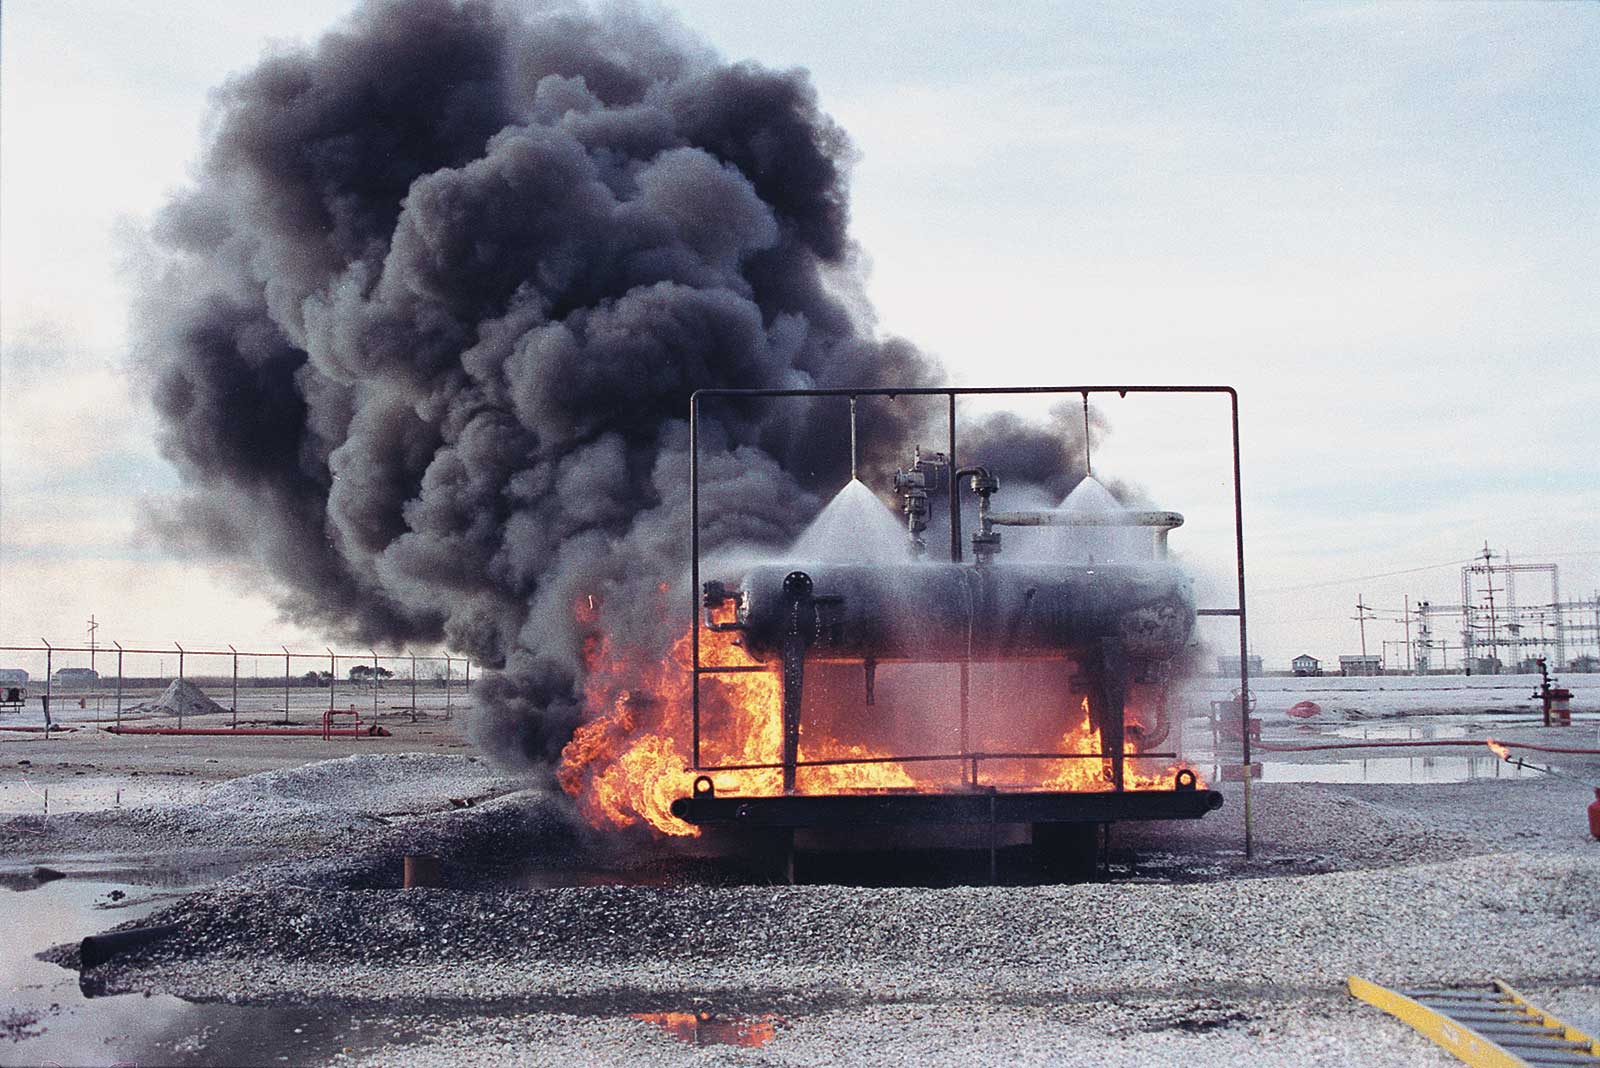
(841, 810)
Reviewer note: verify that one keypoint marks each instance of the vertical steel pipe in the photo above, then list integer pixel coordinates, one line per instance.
(1244, 641)
(694, 578)
(853, 462)
(955, 497)
(49, 670)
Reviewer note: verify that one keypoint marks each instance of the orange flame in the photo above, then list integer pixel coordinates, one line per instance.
(1497, 749)
(703, 1028)
(631, 758)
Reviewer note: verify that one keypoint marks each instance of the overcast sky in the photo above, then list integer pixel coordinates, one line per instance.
(1381, 222)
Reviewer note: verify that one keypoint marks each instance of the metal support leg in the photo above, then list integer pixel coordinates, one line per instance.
(801, 627)
(966, 739)
(1108, 693)
(794, 677)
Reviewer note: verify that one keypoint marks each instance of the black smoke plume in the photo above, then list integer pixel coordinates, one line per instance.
(423, 330)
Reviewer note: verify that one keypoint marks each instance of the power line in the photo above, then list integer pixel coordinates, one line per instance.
(1360, 578)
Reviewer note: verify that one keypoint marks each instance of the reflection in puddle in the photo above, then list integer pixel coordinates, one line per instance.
(1274, 759)
(47, 1017)
(712, 1029)
(1392, 769)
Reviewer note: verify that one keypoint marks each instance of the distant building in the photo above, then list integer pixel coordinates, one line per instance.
(1483, 665)
(1306, 664)
(13, 675)
(1584, 664)
(1368, 664)
(76, 676)
(1228, 666)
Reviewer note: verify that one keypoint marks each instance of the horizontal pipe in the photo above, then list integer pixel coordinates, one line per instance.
(261, 732)
(928, 759)
(954, 391)
(1054, 517)
(97, 949)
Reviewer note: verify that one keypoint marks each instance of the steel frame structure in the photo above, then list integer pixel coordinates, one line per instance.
(951, 393)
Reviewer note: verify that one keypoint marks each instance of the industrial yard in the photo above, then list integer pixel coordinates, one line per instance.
(280, 863)
(565, 533)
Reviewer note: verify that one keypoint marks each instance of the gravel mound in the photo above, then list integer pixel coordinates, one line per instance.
(369, 783)
(1523, 917)
(181, 698)
(303, 807)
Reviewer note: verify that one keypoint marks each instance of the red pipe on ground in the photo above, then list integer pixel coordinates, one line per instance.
(263, 732)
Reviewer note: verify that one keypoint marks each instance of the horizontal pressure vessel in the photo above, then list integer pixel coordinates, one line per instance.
(946, 611)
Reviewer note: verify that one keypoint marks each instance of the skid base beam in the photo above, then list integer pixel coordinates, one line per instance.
(836, 810)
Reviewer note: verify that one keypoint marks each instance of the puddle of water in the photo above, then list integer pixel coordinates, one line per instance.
(715, 1029)
(1417, 765)
(52, 1017)
(1394, 769)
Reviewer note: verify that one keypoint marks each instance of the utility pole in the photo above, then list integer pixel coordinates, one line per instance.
(1424, 639)
(1494, 630)
(93, 626)
(1408, 632)
(1363, 613)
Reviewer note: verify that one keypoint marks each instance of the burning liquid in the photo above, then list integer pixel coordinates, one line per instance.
(632, 759)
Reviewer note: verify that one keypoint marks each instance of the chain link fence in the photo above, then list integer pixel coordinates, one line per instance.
(47, 684)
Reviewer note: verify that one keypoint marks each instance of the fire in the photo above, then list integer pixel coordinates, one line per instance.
(632, 756)
(703, 1028)
(1498, 750)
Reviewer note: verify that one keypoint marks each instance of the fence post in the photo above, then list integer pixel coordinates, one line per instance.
(448, 671)
(413, 687)
(235, 687)
(374, 653)
(180, 679)
(119, 682)
(49, 667)
(333, 677)
(285, 649)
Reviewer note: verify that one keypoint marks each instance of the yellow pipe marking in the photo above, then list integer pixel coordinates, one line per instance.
(1455, 1037)
(1570, 1033)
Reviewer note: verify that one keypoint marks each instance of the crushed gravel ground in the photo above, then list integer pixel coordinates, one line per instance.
(1311, 1033)
(1186, 953)
(1522, 917)
(1439, 884)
